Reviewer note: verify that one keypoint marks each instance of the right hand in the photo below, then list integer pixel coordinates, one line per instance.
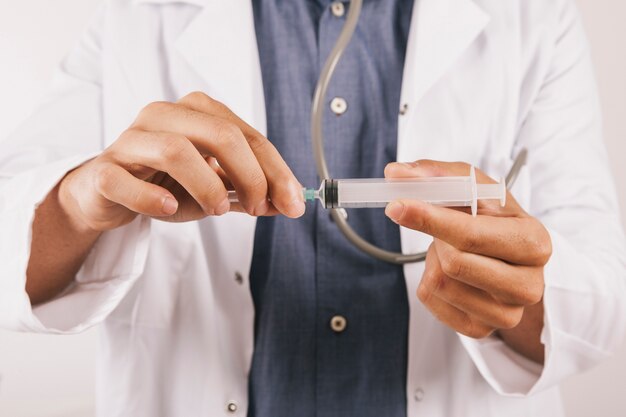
(166, 166)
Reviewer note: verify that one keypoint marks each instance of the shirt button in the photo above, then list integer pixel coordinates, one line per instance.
(231, 407)
(338, 9)
(338, 324)
(339, 106)
(419, 394)
(238, 278)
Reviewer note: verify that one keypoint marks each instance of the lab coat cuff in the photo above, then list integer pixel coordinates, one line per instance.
(108, 274)
(506, 371)
(566, 354)
(115, 262)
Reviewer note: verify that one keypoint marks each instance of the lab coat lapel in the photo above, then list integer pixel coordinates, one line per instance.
(440, 31)
(220, 46)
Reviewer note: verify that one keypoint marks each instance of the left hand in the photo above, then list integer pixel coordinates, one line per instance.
(482, 272)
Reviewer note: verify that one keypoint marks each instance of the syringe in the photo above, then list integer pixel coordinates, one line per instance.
(378, 192)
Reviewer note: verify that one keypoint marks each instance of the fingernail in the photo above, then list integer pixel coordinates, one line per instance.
(261, 208)
(394, 210)
(169, 206)
(223, 207)
(296, 208)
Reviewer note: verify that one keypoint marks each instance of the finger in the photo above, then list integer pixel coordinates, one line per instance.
(284, 189)
(509, 284)
(177, 156)
(220, 172)
(188, 207)
(271, 211)
(453, 317)
(428, 168)
(519, 240)
(473, 301)
(444, 311)
(117, 185)
(216, 136)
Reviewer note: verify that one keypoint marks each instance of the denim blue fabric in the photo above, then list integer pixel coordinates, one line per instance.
(304, 271)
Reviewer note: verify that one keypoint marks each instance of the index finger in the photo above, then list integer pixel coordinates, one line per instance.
(284, 189)
(519, 240)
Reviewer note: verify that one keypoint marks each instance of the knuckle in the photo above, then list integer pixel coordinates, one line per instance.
(475, 330)
(104, 179)
(143, 202)
(228, 135)
(436, 281)
(257, 142)
(530, 294)
(452, 265)
(535, 294)
(157, 108)
(211, 196)
(176, 149)
(197, 97)
(536, 239)
(129, 134)
(423, 293)
(428, 164)
(511, 318)
(542, 248)
(201, 100)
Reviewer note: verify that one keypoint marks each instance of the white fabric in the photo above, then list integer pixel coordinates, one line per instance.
(483, 78)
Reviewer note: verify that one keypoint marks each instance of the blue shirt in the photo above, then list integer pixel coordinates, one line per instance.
(304, 272)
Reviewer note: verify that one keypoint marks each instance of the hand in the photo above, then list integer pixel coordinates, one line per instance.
(175, 163)
(482, 273)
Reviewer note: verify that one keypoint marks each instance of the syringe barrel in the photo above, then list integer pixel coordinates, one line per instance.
(443, 191)
(440, 191)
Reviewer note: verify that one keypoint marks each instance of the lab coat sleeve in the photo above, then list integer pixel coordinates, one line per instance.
(573, 195)
(64, 131)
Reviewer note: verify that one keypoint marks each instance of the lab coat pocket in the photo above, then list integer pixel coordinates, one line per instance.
(498, 168)
(153, 300)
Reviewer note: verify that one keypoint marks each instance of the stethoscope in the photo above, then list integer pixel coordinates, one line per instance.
(317, 139)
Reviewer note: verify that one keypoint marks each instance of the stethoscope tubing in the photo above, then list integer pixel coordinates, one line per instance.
(317, 141)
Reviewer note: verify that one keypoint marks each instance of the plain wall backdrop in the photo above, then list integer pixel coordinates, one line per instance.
(50, 376)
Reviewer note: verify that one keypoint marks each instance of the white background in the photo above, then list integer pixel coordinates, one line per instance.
(53, 376)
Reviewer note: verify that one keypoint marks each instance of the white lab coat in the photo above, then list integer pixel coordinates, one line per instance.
(483, 78)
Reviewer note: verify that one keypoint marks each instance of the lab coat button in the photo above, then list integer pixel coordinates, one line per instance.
(339, 106)
(419, 394)
(232, 407)
(338, 324)
(238, 278)
(338, 9)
